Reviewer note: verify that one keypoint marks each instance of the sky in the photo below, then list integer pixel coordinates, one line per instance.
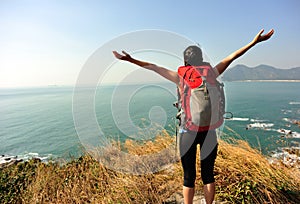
(47, 42)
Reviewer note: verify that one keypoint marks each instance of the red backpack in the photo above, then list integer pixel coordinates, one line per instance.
(201, 100)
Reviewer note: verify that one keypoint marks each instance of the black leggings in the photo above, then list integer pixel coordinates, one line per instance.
(188, 147)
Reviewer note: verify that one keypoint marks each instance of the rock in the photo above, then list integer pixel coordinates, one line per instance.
(6, 161)
(177, 198)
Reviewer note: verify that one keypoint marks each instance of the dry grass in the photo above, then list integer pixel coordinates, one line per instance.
(87, 181)
(243, 175)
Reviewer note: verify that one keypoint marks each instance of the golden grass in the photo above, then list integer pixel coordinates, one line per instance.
(243, 175)
(86, 180)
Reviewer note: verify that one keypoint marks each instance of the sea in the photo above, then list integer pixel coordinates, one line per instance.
(40, 121)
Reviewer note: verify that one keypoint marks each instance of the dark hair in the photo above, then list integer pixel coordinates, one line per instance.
(192, 56)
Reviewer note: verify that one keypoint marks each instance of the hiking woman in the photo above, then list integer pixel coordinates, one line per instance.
(206, 139)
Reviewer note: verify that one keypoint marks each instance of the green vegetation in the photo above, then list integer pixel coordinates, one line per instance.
(243, 175)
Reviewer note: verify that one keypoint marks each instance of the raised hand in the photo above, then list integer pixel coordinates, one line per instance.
(222, 66)
(125, 55)
(259, 37)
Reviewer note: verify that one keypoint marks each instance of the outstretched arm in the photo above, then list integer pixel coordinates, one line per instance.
(166, 73)
(221, 67)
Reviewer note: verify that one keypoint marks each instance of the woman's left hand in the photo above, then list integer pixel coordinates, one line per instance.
(125, 55)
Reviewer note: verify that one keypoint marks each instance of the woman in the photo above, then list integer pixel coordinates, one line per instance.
(206, 139)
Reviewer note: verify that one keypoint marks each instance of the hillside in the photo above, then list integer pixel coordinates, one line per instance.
(243, 175)
(261, 72)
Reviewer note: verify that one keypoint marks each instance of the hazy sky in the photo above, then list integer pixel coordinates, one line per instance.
(45, 42)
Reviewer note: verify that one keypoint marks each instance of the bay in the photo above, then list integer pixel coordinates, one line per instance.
(40, 120)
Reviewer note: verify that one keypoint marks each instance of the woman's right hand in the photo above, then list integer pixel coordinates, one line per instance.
(125, 56)
(259, 37)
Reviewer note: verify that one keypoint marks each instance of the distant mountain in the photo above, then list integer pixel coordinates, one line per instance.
(261, 72)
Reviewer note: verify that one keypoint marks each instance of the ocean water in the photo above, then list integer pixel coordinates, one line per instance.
(264, 113)
(39, 121)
